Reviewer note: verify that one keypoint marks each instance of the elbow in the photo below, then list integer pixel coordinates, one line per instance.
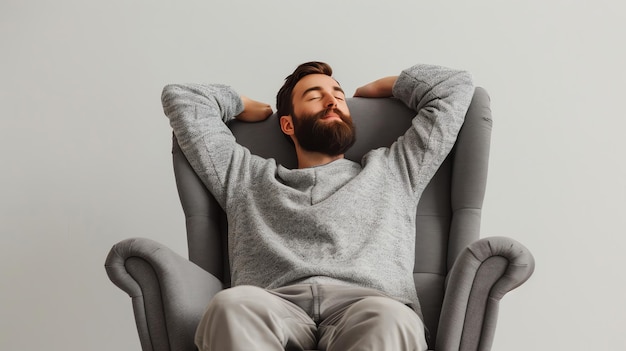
(465, 78)
(169, 96)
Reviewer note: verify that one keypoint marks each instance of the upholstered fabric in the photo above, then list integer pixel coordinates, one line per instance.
(460, 278)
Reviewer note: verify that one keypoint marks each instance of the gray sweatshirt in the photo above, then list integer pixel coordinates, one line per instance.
(341, 223)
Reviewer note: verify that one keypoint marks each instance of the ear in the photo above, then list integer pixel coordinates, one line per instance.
(286, 125)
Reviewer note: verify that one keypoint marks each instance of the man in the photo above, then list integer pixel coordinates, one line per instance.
(321, 256)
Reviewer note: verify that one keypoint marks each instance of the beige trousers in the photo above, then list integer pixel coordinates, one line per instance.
(308, 317)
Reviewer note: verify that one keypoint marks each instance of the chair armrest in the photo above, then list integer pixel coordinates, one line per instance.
(169, 293)
(482, 274)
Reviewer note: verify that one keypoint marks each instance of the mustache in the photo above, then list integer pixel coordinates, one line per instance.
(338, 112)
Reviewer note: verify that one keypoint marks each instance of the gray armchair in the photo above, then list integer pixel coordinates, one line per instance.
(460, 278)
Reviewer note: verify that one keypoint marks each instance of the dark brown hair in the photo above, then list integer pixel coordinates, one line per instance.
(284, 102)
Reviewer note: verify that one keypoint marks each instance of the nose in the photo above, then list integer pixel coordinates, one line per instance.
(331, 101)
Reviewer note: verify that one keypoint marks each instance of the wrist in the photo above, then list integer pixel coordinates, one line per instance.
(253, 111)
(380, 88)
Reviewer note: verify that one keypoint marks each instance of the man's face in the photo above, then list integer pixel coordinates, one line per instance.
(321, 118)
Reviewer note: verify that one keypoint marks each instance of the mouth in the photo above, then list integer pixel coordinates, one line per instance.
(330, 115)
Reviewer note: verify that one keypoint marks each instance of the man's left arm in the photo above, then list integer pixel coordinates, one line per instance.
(441, 97)
(380, 88)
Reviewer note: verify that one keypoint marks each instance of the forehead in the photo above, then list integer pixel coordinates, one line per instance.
(314, 80)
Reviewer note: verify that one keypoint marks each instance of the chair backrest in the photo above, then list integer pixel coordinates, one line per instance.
(448, 215)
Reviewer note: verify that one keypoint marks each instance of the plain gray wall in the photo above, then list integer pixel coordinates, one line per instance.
(85, 147)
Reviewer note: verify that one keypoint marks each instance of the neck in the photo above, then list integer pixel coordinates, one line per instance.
(307, 159)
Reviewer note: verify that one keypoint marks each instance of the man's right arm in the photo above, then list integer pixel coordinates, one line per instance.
(254, 111)
(198, 114)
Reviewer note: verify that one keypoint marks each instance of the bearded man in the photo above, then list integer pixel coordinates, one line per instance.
(321, 256)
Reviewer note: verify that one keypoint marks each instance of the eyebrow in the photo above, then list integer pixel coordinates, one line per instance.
(318, 88)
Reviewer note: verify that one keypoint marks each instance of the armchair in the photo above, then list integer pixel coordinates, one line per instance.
(460, 278)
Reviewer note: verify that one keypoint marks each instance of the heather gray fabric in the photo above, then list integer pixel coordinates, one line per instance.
(344, 222)
(465, 294)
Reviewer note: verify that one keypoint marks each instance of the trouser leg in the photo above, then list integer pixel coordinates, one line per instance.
(372, 323)
(250, 318)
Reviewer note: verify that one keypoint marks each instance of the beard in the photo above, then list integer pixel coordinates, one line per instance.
(331, 138)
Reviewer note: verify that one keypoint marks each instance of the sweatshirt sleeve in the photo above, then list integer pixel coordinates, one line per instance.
(198, 116)
(441, 97)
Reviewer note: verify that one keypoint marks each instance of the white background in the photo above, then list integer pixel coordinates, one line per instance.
(84, 144)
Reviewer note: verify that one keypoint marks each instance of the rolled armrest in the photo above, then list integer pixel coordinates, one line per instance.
(482, 274)
(169, 293)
